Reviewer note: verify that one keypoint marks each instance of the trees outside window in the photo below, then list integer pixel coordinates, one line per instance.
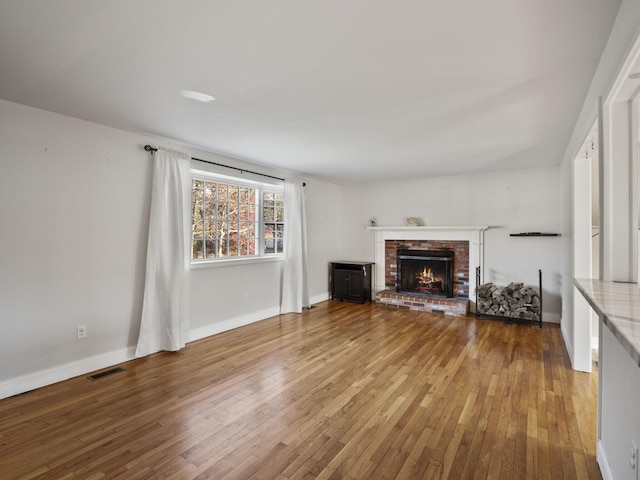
(235, 220)
(273, 212)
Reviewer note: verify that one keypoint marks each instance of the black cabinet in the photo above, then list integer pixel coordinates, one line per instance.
(351, 281)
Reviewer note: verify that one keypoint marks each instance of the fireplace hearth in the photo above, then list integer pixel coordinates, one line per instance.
(466, 242)
(426, 273)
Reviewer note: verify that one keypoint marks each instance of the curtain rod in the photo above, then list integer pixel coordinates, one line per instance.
(151, 149)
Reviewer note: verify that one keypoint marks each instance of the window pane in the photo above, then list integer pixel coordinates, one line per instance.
(220, 235)
(211, 250)
(244, 212)
(226, 220)
(196, 211)
(222, 247)
(269, 238)
(220, 210)
(209, 229)
(222, 192)
(244, 245)
(197, 249)
(210, 211)
(197, 229)
(196, 197)
(279, 238)
(209, 191)
(197, 244)
(233, 213)
(209, 202)
(234, 195)
(233, 247)
(244, 195)
(269, 215)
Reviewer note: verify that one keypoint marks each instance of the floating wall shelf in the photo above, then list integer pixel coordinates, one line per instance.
(534, 234)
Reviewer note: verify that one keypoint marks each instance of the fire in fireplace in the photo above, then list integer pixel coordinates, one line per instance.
(425, 272)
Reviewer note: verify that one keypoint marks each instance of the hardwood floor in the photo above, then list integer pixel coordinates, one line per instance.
(342, 391)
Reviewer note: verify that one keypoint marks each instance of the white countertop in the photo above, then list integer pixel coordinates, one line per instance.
(618, 305)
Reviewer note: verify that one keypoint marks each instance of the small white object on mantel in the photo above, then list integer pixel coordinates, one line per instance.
(474, 234)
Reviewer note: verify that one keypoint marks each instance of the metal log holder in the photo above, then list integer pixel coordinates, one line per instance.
(503, 317)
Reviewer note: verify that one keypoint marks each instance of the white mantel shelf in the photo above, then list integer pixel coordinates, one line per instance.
(474, 234)
(474, 228)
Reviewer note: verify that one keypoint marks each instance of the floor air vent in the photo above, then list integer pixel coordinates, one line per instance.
(98, 376)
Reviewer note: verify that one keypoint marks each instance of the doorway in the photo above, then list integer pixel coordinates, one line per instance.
(586, 250)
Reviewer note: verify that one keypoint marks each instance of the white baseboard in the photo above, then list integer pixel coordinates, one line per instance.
(243, 320)
(83, 366)
(551, 317)
(568, 344)
(57, 374)
(232, 323)
(42, 378)
(319, 298)
(603, 463)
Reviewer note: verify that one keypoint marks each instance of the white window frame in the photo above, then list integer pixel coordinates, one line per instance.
(260, 187)
(269, 189)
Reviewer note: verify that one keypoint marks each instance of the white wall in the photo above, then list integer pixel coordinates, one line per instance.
(622, 37)
(509, 201)
(324, 220)
(581, 236)
(620, 423)
(74, 203)
(617, 372)
(566, 262)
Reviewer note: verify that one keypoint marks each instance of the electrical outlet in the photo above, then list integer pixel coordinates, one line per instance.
(245, 297)
(633, 459)
(82, 331)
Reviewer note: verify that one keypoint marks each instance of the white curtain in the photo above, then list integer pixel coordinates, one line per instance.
(295, 291)
(165, 309)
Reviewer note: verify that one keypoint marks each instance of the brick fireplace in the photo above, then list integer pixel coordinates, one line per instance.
(466, 245)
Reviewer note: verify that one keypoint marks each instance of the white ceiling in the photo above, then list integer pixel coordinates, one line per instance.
(344, 90)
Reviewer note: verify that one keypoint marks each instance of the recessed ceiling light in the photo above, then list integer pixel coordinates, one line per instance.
(199, 96)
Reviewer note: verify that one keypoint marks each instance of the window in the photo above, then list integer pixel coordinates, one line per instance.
(235, 219)
(273, 214)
